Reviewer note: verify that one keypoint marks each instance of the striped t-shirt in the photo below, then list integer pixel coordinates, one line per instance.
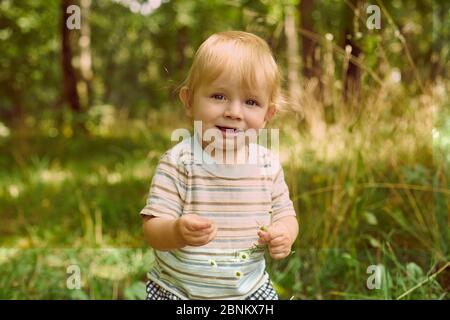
(239, 199)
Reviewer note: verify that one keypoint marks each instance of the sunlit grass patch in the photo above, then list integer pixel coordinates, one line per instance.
(46, 273)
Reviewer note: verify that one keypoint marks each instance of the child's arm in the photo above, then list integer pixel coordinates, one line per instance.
(168, 234)
(280, 236)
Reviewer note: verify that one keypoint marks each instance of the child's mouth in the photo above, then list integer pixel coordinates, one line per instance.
(228, 130)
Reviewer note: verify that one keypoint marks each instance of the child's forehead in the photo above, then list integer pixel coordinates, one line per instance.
(228, 81)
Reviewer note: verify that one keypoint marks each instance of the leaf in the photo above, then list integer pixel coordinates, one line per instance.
(78, 295)
(370, 218)
(136, 291)
(374, 242)
(413, 271)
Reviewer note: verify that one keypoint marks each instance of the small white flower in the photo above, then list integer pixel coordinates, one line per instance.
(243, 256)
(348, 49)
(398, 34)
(396, 75)
(114, 178)
(329, 37)
(435, 133)
(213, 263)
(14, 191)
(4, 131)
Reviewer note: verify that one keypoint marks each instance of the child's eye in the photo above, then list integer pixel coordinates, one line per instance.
(218, 96)
(252, 102)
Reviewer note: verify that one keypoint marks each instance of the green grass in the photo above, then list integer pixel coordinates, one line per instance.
(44, 273)
(368, 175)
(370, 191)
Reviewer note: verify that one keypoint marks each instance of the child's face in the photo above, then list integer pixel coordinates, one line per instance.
(223, 103)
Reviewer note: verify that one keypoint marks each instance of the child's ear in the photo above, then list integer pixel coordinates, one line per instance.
(271, 111)
(185, 99)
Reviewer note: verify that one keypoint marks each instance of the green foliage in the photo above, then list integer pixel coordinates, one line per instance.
(43, 273)
(29, 69)
(372, 189)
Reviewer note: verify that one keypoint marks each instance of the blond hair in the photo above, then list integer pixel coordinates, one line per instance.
(240, 53)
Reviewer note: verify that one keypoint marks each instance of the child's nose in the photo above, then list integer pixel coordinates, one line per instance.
(233, 110)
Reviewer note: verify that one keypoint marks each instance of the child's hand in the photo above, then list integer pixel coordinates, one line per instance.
(195, 230)
(278, 240)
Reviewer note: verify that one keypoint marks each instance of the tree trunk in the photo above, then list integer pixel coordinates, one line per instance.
(293, 59)
(311, 66)
(85, 49)
(69, 77)
(312, 115)
(437, 68)
(182, 41)
(352, 79)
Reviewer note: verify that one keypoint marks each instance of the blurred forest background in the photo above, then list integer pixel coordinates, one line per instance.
(86, 113)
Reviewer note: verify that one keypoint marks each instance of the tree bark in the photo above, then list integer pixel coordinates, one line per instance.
(182, 41)
(85, 52)
(68, 72)
(293, 59)
(352, 79)
(312, 115)
(311, 66)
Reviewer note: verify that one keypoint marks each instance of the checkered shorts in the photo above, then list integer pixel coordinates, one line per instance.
(155, 292)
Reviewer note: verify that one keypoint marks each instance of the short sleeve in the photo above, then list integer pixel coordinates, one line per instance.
(282, 205)
(168, 189)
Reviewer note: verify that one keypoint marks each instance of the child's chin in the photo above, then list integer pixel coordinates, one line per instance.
(228, 145)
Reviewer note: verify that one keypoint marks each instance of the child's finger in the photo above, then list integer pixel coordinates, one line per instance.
(198, 241)
(264, 237)
(213, 234)
(208, 230)
(204, 238)
(261, 241)
(195, 225)
(275, 232)
(279, 256)
(201, 232)
(277, 250)
(278, 241)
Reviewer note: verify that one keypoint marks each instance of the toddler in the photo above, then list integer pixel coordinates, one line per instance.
(217, 202)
